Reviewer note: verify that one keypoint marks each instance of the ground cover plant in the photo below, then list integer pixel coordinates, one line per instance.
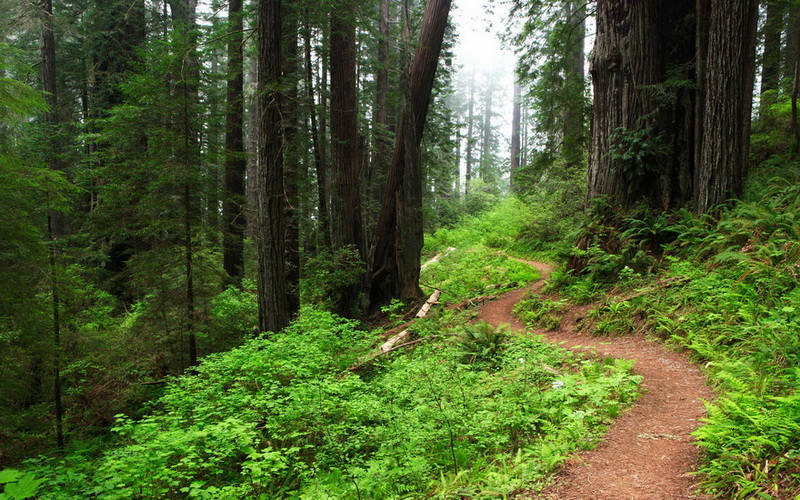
(470, 412)
(726, 289)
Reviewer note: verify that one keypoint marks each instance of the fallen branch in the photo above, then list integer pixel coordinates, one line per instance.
(405, 335)
(473, 302)
(417, 341)
(437, 258)
(401, 339)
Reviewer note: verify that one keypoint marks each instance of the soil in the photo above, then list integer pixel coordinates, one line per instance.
(648, 453)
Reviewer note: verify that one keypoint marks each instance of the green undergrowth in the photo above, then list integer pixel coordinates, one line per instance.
(512, 225)
(472, 412)
(540, 312)
(725, 289)
(478, 271)
(467, 411)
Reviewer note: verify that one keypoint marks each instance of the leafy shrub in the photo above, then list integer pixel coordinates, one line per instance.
(328, 273)
(538, 312)
(278, 417)
(481, 342)
(477, 271)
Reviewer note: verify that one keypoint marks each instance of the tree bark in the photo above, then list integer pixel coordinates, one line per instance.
(643, 136)
(272, 308)
(397, 235)
(470, 126)
(574, 126)
(624, 65)
(771, 60)
(291, 115)
(792, 50)
(253, 137)
(486, 143)
(320, 167)
(381, 135)
(515, 134)
(55, 219)
(728, 85)
(233, 205)
(346, 197)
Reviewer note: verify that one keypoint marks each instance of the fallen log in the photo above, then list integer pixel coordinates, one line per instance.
(405, 335)
(437, 258)
(401, 339)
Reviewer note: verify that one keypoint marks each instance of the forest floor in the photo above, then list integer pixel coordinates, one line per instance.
(648, 453)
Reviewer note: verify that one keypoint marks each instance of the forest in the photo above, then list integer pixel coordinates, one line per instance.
(308, 250)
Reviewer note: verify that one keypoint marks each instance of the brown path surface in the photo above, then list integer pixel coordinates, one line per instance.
(648, 452)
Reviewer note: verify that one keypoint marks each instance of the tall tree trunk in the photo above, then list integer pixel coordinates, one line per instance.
(574, 126)
(792, 50)
(486, 143)
(319, 161)
(725, 120)
(771, 60)
(676, 115)
(515, 134)
(214, 140)
(396, 235)
(55, 219)
(184, 18)
(795, 92)
(253, 138)
(409, 237)
(273, 315)
(381, 136)
(470, 127)
(233, 205)
(291, 116)
(346, 198)
(625, 63)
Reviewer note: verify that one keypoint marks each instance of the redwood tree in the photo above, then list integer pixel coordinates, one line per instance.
(55, 219)
(724, 117)
(393, 262)
(272, 309)
(672, 96)
(346, 221)
(233, 206)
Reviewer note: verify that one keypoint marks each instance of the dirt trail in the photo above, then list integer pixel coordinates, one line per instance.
(648, 452)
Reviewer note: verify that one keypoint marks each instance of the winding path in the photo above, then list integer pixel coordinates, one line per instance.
(648, 453)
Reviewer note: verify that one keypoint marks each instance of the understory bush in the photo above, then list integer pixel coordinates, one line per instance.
(472, 412)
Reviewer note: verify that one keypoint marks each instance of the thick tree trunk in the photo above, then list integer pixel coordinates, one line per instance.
(515, 134)
(55, 220)
(346, 219)
(381, 135)
(642, 146)
(676, 117)
(725, 118)
(272, 309)
(233, 204)
(397, 236)
(291, 116)
(625, 62)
